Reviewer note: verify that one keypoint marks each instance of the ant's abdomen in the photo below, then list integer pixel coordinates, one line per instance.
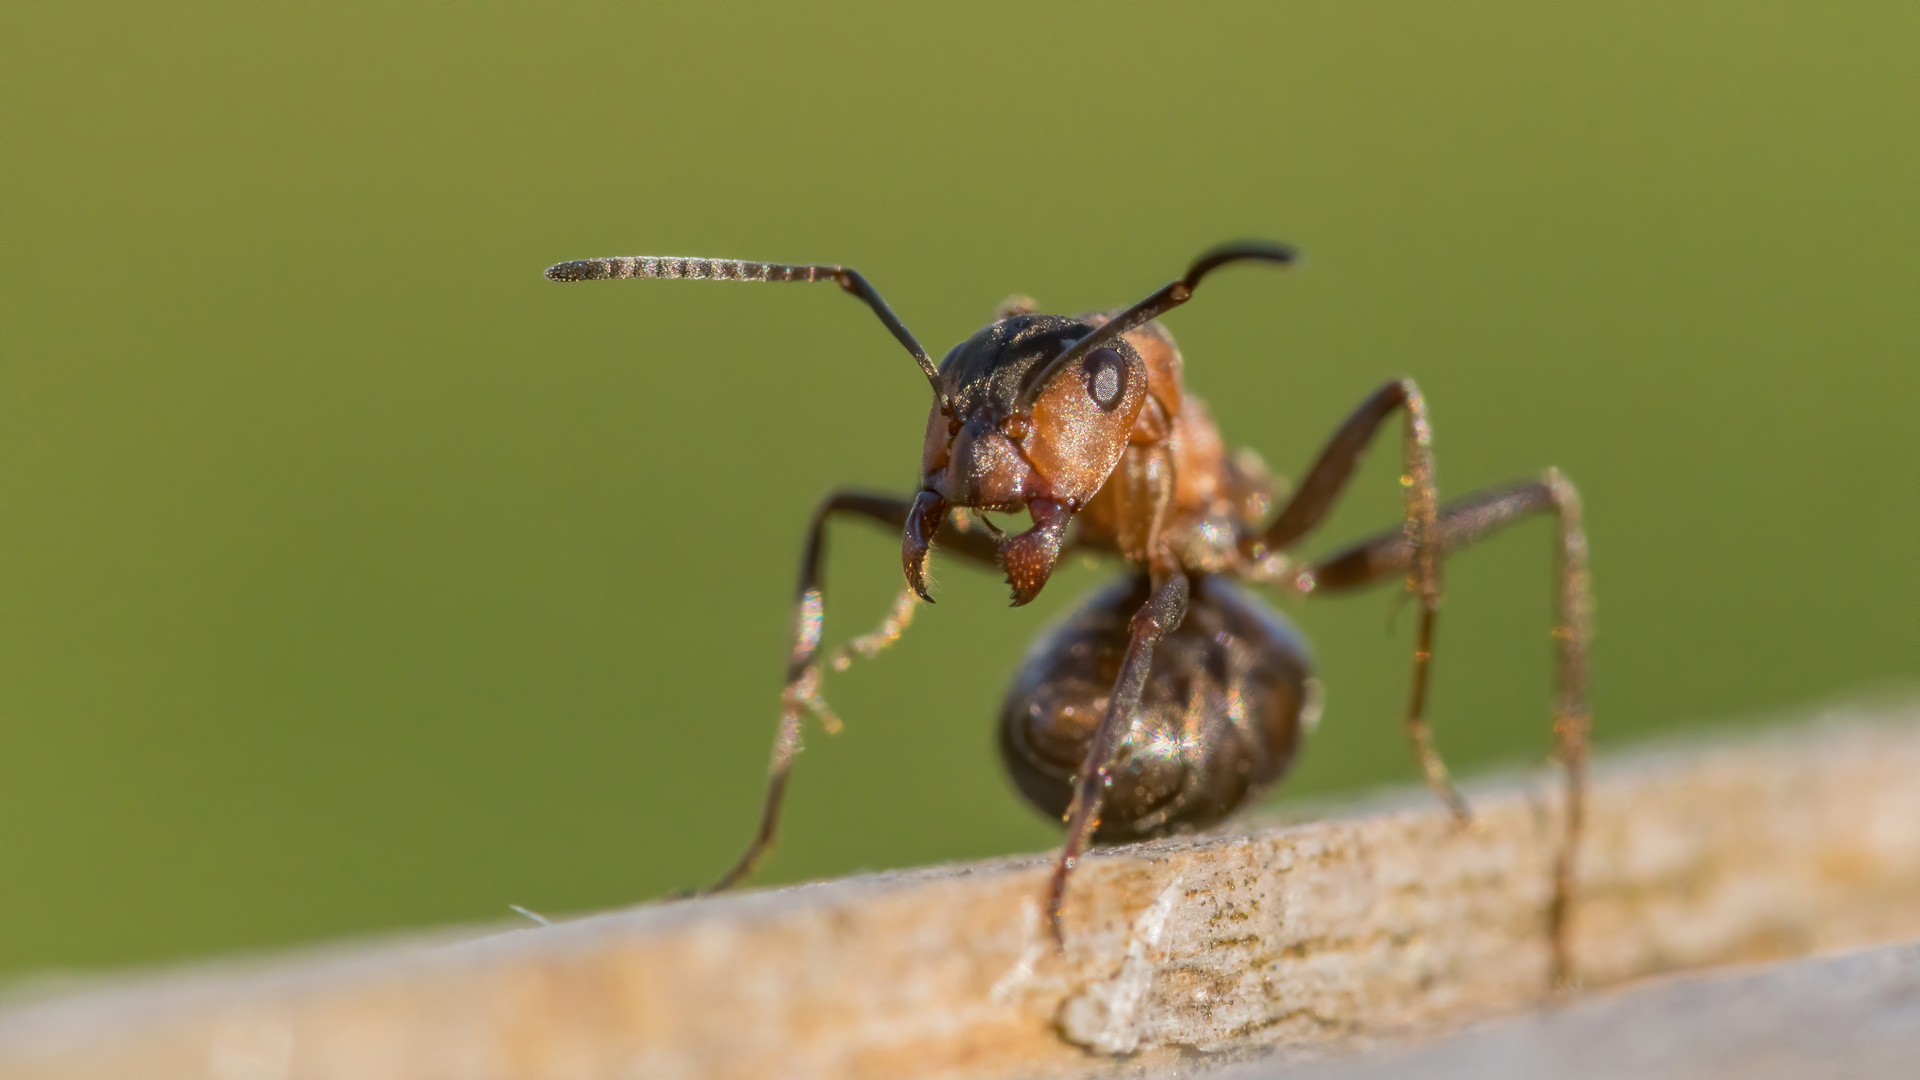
(1225, 705)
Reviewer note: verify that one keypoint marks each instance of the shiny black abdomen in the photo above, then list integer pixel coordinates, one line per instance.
(1225, 704)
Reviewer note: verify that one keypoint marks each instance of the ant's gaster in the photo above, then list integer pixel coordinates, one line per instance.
(1171, 697)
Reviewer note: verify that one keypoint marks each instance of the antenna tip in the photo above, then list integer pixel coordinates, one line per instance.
(1264, 250)
(579, 270)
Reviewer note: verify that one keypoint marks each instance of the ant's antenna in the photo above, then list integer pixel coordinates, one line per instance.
(1166, 299)
(653, 266)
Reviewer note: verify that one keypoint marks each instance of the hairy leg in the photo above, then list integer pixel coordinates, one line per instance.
(1466, 522)
(1148, 475)
(802, 692)
(1321, 489)
(1158, 618)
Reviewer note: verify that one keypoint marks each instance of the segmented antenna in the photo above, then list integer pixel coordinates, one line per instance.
(652, 266)
(1171, 296)
(671, 268)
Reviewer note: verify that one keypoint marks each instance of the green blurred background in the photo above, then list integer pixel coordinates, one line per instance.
(352, 576)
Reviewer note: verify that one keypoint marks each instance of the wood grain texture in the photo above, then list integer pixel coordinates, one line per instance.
(1854, 1016)
(1380, 922)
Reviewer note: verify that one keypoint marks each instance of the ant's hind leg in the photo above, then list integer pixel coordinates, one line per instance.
(802, 692)
(1465, 522)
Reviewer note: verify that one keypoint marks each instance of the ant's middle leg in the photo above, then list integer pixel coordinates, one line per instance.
(1321, 488)
(802, 691)
(1466, 522)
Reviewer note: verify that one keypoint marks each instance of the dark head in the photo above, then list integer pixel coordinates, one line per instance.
(1011, 434)
(986, 449)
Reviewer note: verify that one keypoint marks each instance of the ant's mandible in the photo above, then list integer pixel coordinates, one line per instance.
(1173, 695)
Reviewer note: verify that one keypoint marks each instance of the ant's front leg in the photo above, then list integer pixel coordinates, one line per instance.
(1160, 617)
(1321, 488)
(1149, 472)
(802, 691)
(1466, 522)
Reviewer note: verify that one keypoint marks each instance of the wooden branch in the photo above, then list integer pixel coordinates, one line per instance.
(1362, 927)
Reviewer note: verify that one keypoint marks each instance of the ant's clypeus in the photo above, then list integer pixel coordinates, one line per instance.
(1171, 697)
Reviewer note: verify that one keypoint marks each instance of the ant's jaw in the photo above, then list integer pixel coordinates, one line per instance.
(1030, 556)
(923, 521)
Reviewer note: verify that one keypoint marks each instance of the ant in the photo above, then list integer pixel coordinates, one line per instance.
(1172, 696)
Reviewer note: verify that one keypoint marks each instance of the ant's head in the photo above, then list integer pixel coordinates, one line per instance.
(1032, 412)
(1027, 420)
(997, 443)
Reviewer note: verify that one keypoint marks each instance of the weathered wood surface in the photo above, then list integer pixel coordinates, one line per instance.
(1338, 932)
(1854, 1016)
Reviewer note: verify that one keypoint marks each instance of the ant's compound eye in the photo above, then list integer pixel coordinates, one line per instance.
(1106, 378)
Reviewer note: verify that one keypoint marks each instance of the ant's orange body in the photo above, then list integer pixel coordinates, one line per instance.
(1170, 698)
